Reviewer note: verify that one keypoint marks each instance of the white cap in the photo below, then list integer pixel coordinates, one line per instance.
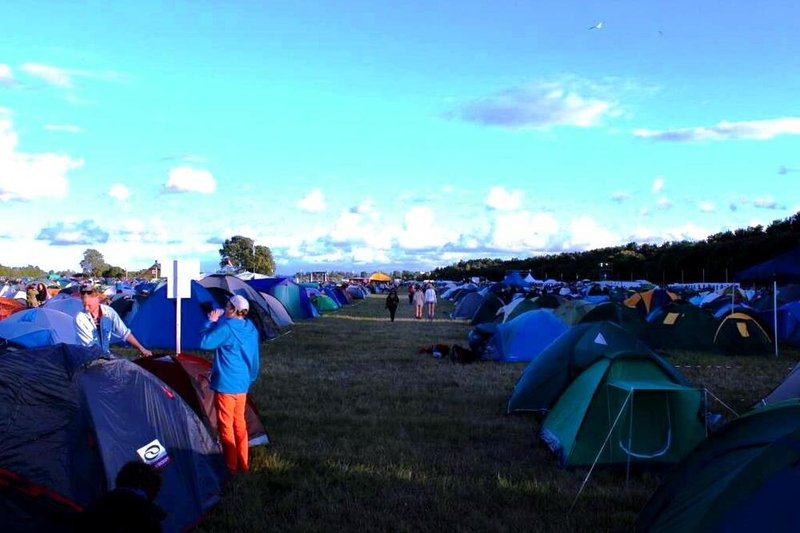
(239, 303)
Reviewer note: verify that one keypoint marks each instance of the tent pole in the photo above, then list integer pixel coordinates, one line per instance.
(775, 313)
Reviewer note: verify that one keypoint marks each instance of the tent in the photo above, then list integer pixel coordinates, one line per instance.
(154, 323)
(324, 303)
(188, 375)
(39, 326)
(740, 333)
(742, 478)
(293, 297)
(72, 418)
(788, 388)
(524, 338)
(547, 376)
(223, 286)
(624, 410)
(784, 268)
(648, 301)
(681, 326)
(69, 305)
(380, 277)
(467, 305)
(617, 312)
(9, 306)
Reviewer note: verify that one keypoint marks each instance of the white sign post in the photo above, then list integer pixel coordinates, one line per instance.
(179, 285)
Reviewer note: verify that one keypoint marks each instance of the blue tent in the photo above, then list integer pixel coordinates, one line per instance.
(784, 268)
(293, 297)
(72, 418)
(37, 327)
(154, 322)
(524, 337)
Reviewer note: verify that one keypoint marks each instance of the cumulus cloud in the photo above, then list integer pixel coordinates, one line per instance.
(502, 200)
(187, 179)
(620, 197)
(586, 234)
(69, 233)
(313, 202)
(706, 206)
(750, 130)
(523, 231)
(658, 185)
(766, 203)
(537, 106)
(63, 128)
(421, 230)
(663, 203)
(6, 75)
(27, 176)
(119, 192)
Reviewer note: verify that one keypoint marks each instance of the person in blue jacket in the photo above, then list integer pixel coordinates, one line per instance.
(235, 367)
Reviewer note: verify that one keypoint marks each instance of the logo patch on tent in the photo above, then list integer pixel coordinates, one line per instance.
(600, 339)
(153, 453)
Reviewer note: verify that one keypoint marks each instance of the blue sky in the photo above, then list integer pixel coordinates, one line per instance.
(366, 135)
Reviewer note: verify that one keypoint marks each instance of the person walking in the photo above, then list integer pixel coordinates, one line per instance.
(97, 322)
(392, 301)
(235, 367)
(410, 294)
(430, 301)
(419, 302)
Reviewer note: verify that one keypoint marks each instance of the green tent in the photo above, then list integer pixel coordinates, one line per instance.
(324, 303)
(625, 410)
(681, 326)
(740, 333)
(742, 478)
(549, 374)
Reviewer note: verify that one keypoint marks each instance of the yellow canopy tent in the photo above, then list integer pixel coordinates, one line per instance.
(380, 276)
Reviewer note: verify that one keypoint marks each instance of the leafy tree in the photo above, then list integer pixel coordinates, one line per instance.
(242, 253)
(93, 262)
(114, 272)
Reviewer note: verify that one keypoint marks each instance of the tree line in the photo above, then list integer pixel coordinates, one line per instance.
(715, 259)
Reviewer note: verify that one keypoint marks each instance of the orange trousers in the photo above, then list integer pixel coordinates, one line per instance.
(232, 430)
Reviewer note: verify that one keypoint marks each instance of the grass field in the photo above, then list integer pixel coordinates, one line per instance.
(370, 435)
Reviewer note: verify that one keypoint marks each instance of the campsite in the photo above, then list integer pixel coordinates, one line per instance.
(369, 434)
(584, 407)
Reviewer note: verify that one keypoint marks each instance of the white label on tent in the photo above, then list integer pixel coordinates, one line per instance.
(600, 339)
(179, 277)
(153, 453)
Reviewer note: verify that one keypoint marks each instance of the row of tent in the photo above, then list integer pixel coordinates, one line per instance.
(521, 329)
(275, 304)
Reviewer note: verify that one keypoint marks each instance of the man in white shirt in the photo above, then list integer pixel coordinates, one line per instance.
(97, 322)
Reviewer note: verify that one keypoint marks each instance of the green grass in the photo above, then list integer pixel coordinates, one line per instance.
(370, 435)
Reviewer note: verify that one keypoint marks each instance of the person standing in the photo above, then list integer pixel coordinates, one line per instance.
(392, 301)
(410, 294)
(30, 296)
(430, 301)
(419, 302)
(235, 367)
(97, 322)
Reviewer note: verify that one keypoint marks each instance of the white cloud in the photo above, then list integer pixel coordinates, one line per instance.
(540, 105)
(663, 203)
(64, 128)
(119, 192)
(313, 202)
(51, 75)
(421, 230)
(587, 234)
(6, 75)
(26, 176)
(502, 200)
(658, 185)
(188, 179)
(706, 206)
(523, 231)
(766, 203)
(725, 130)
